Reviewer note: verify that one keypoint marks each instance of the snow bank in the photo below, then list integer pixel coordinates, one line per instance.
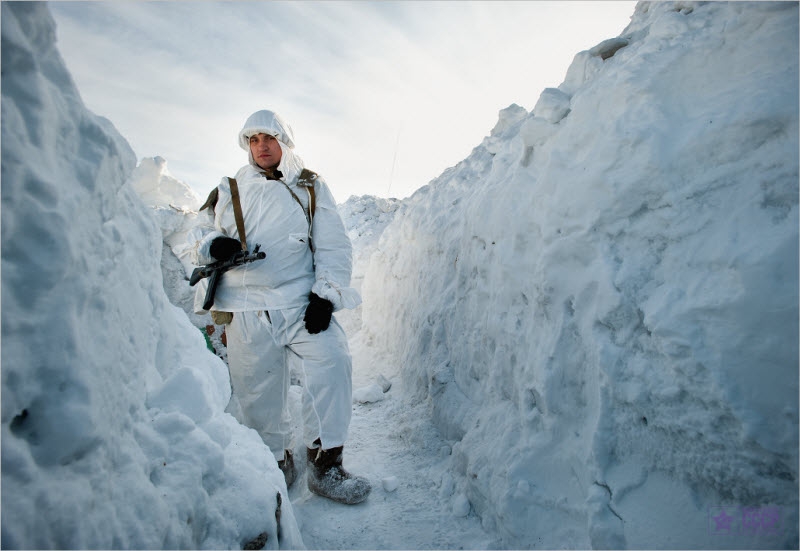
(174, 206)
(365, 217)
(113, 431)
(157, 187)
(601, 302)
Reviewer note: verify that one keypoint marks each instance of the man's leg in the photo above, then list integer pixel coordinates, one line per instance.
(326, 368)
(260, 379)
(325, 365)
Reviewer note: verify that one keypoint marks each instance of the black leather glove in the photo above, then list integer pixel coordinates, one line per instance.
(222, 248)
(318, 314)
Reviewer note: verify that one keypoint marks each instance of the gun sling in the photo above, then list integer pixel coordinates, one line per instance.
(237, 212)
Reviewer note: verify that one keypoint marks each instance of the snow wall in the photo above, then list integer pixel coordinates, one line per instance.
(601, 302)
(113, 426)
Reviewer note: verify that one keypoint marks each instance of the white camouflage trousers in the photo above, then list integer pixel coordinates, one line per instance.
(263, 347)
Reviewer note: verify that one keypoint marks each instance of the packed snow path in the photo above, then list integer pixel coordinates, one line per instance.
(393, 442)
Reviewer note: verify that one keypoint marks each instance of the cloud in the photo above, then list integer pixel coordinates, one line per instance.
(179, 78)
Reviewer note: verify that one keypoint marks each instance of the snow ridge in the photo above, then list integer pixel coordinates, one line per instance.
(600, 303)
(113, 426)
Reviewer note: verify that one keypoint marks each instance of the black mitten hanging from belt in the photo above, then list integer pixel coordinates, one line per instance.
(318, 314)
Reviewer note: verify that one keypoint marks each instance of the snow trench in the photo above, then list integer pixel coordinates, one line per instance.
(598, 308)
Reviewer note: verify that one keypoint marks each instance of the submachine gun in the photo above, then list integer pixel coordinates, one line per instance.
(215, 270)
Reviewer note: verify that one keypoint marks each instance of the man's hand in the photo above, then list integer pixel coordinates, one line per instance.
(318, 314)
(222, 248)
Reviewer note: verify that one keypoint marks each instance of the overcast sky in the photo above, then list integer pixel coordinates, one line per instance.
(382, 96)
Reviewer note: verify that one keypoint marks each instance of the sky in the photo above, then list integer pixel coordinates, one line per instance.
(382, 96)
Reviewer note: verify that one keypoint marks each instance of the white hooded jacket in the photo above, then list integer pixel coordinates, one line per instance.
(274, 219)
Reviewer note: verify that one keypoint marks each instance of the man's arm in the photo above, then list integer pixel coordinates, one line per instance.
(333, 252)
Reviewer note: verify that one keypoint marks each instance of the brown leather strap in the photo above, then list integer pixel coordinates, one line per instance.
(237, 212)
(312, 206)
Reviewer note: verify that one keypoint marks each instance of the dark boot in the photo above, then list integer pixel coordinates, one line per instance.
(287, 466)
(327, 477)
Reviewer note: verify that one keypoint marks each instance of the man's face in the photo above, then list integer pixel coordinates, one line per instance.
(266, 150)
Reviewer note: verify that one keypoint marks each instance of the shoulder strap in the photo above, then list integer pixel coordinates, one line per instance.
(237, 212)
(307, 179)
(312, 200)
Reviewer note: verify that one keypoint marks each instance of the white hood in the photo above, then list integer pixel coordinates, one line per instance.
(271, 123)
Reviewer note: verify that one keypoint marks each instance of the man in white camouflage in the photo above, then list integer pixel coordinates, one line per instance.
(282, 306)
